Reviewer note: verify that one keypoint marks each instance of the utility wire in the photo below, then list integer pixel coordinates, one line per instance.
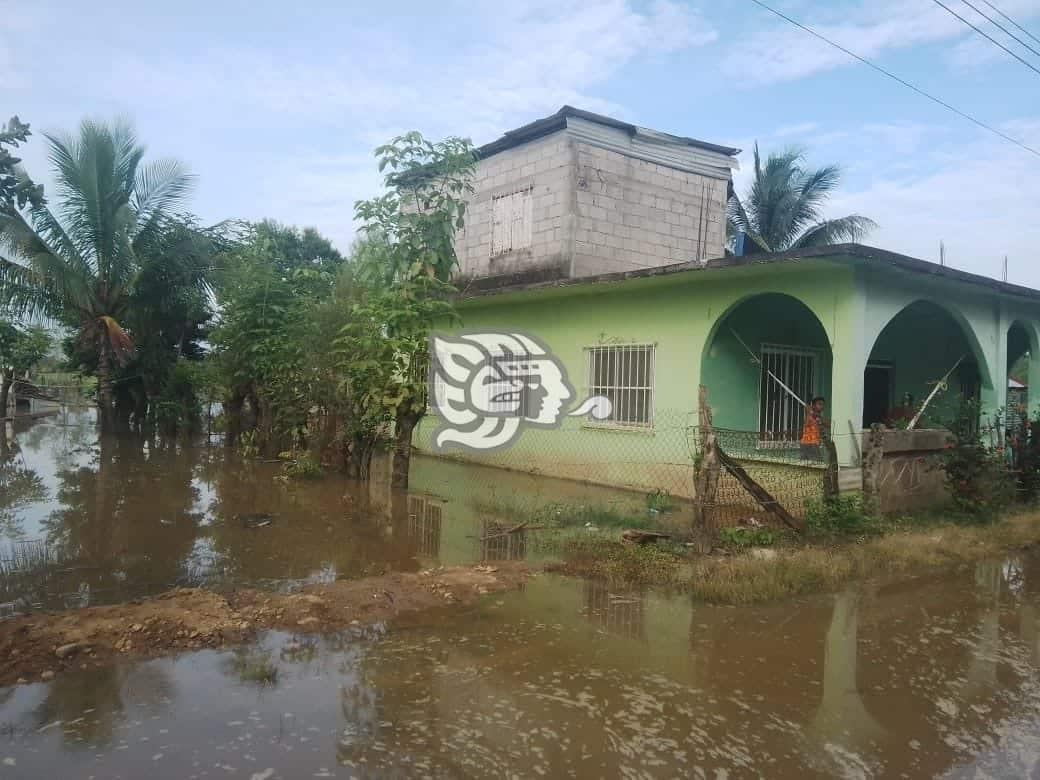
(894, 77)
(998, 25)
(988, 37)
(1016, 24)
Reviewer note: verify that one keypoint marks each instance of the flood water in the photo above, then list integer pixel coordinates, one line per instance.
(937, 677)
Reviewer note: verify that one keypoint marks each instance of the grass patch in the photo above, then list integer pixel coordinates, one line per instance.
(601, 558)
(256, 667)
(894, 548)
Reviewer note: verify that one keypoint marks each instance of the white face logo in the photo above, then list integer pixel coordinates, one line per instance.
(486, 386)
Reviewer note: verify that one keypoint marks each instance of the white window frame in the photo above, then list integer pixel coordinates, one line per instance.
(772, 357)
(512, 214)
(645, 354)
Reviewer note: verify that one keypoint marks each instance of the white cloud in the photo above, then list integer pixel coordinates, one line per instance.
(978, 195)
(518, 62)
(779, 51)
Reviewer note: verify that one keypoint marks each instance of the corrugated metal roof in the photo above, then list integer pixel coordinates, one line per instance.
(558, 121)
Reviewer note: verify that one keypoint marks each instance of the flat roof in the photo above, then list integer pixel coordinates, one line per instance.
(558, 121)
(833, 253)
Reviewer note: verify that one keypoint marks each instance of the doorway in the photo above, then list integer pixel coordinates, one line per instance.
(877, 393)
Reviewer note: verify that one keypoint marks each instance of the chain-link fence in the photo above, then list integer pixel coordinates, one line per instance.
(636, 468)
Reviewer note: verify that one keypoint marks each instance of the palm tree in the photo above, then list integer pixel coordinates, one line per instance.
(783, 205)
(80, 264)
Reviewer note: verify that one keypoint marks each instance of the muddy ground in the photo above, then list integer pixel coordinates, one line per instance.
(37, 647)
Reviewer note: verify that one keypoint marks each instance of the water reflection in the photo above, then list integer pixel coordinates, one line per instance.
(858, 684)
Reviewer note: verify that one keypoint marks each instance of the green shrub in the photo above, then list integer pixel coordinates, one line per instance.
(839, 514)
(305, 466)
(976, 474)
(563, 515)
(742, 537)
(660, 500)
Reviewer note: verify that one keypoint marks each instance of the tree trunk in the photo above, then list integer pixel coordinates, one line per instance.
(105, 394)
(357, 455)
(233, 416)
(5, 391)
(404, 424)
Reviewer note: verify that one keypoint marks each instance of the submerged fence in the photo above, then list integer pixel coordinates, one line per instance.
(650, 461)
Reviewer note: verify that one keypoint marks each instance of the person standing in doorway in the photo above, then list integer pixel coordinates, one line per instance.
(811, 443)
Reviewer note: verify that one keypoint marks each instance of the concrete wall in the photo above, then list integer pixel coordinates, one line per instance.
(598, 206)
(547, 166)
(679, 315)
(634, 213)
(836, 307)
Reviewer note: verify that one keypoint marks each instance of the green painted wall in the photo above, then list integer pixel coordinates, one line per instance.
(842, 309)
(678, 314)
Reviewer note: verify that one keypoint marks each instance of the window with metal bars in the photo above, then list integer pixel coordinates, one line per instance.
(780, 416)
(625, 375)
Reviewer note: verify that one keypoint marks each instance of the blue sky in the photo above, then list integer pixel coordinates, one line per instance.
(277, 106)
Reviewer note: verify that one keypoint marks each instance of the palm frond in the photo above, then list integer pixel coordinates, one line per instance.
(835, 231)
(54, 275)
(117, 339)
(159, 188)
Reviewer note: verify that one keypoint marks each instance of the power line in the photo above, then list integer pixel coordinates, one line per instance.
(904, 82)
(988, 37)
(998, 25)
(1016, 24)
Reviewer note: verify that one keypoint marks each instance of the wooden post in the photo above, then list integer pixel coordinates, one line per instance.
(706, 478)
(830, 478)
(705, 530)
(873, 456)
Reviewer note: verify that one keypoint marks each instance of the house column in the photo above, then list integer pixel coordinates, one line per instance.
(848, 360)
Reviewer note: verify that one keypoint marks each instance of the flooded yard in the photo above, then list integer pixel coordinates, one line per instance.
(564, 678)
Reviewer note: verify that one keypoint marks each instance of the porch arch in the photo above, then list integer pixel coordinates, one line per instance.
(1022, 389)
(743, 397)
(916, 347)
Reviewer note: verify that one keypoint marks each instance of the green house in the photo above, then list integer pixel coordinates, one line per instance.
(871, 331)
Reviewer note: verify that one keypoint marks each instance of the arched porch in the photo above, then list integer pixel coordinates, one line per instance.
(917, 348)
(761, 353)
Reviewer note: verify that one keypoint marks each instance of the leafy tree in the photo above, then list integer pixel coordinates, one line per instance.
(268, 338)
(15, 188)
(20, 351)
(410, 233)
(783, 206)
(81, 263)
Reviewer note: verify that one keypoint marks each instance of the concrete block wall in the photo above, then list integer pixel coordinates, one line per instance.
(547, 166)
(594, 211)
(633, 213)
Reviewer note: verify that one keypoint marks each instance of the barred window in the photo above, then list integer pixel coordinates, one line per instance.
(780, 416)
(625, 375)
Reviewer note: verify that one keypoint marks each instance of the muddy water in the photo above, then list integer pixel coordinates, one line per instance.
(936, 677)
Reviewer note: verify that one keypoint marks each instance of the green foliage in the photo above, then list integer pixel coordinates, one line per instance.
(742, 537)
(570, 515)
(272, 346)
(303, 466)
(177, 406)
(16, 191)
(660, 500)
(976, 473)
(81, 263)
(21, 349)
(611, 560)
(409, 256)
(842, 514)
(785, 203)
(247, 445)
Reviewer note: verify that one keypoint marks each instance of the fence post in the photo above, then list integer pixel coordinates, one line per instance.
(873, 456)
(706, 479)
(830, 478)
